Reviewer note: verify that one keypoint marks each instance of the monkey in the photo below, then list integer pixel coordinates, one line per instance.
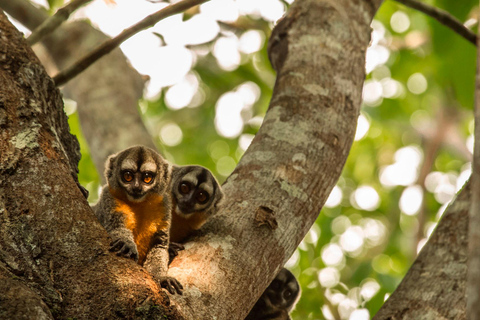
(278, 299)
(196, 195)
(135, 208)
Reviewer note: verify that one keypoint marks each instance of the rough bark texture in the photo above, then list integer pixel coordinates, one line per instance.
(53, 251)
(285, 176)
(434, 287)
(106, 93)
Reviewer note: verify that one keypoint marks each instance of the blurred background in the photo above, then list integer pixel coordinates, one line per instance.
(209, 86)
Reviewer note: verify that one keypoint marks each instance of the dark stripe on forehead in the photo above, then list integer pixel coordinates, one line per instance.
(141, 157)
(201, 176)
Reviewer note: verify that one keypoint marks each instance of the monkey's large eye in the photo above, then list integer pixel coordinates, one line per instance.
(147, 177)
(184, 187)
(127, 176)
(202, 197)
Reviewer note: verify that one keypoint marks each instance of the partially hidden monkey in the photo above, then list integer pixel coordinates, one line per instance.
(196, 195)
(278, 299)
(135, 208)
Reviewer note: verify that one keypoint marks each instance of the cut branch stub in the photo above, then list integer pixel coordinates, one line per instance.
(266, 216)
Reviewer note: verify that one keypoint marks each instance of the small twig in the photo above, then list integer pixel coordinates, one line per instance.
(106, 47)
(473, 270)
(443, 17)
(52, 23)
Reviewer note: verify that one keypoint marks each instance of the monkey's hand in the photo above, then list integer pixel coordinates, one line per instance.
(173, 249)
(124, 248)
(171, 284)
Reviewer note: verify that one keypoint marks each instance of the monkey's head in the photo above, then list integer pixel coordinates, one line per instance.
(278, 299)
(136, 172)
(283, 291)
(195, 189)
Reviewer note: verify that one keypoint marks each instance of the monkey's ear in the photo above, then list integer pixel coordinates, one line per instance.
(109, 166)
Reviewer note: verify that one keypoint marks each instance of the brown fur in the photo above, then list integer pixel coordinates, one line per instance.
(183, 227)
(144, 219)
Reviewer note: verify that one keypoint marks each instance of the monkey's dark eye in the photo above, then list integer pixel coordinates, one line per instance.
(287, 294)
(147, 177)
(127, 176)
(184, 187)
(202, 197)
(275, 285)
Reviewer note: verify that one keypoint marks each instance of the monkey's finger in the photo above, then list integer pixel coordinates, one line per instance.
(121, 251)
(178, 287)
(167, 286)
(116, 245)
(134, 256)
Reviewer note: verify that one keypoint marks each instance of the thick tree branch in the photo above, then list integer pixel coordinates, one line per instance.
(49, 25)
(434, 287)
(443, 17)
(473, 275)
(111, 44)
(286, 174)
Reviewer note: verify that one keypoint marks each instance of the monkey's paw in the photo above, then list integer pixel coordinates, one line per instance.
(173, 249)
(171, 284)
(125, 248)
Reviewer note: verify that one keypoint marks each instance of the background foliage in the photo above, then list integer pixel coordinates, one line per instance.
(412, 150)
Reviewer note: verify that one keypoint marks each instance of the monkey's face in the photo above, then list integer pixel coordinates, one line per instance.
(283, 291)
(194, 189)
(137, 171)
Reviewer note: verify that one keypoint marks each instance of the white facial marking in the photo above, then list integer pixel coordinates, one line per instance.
(148, 166)
(207, 186)
(191, 177)
(129, 164)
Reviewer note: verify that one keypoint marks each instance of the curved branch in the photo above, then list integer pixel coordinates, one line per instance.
(49, 25)
(443, 17)
(111, 44)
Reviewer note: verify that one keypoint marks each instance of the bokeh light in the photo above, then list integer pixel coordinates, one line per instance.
(366, 198)
(417, 83)
(400, 22)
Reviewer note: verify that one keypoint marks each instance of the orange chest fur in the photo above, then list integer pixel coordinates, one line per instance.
(183, 227)
(144, 219)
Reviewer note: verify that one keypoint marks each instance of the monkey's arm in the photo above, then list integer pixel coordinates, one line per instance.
(114, 221)
(157, 264)
(158, 257)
